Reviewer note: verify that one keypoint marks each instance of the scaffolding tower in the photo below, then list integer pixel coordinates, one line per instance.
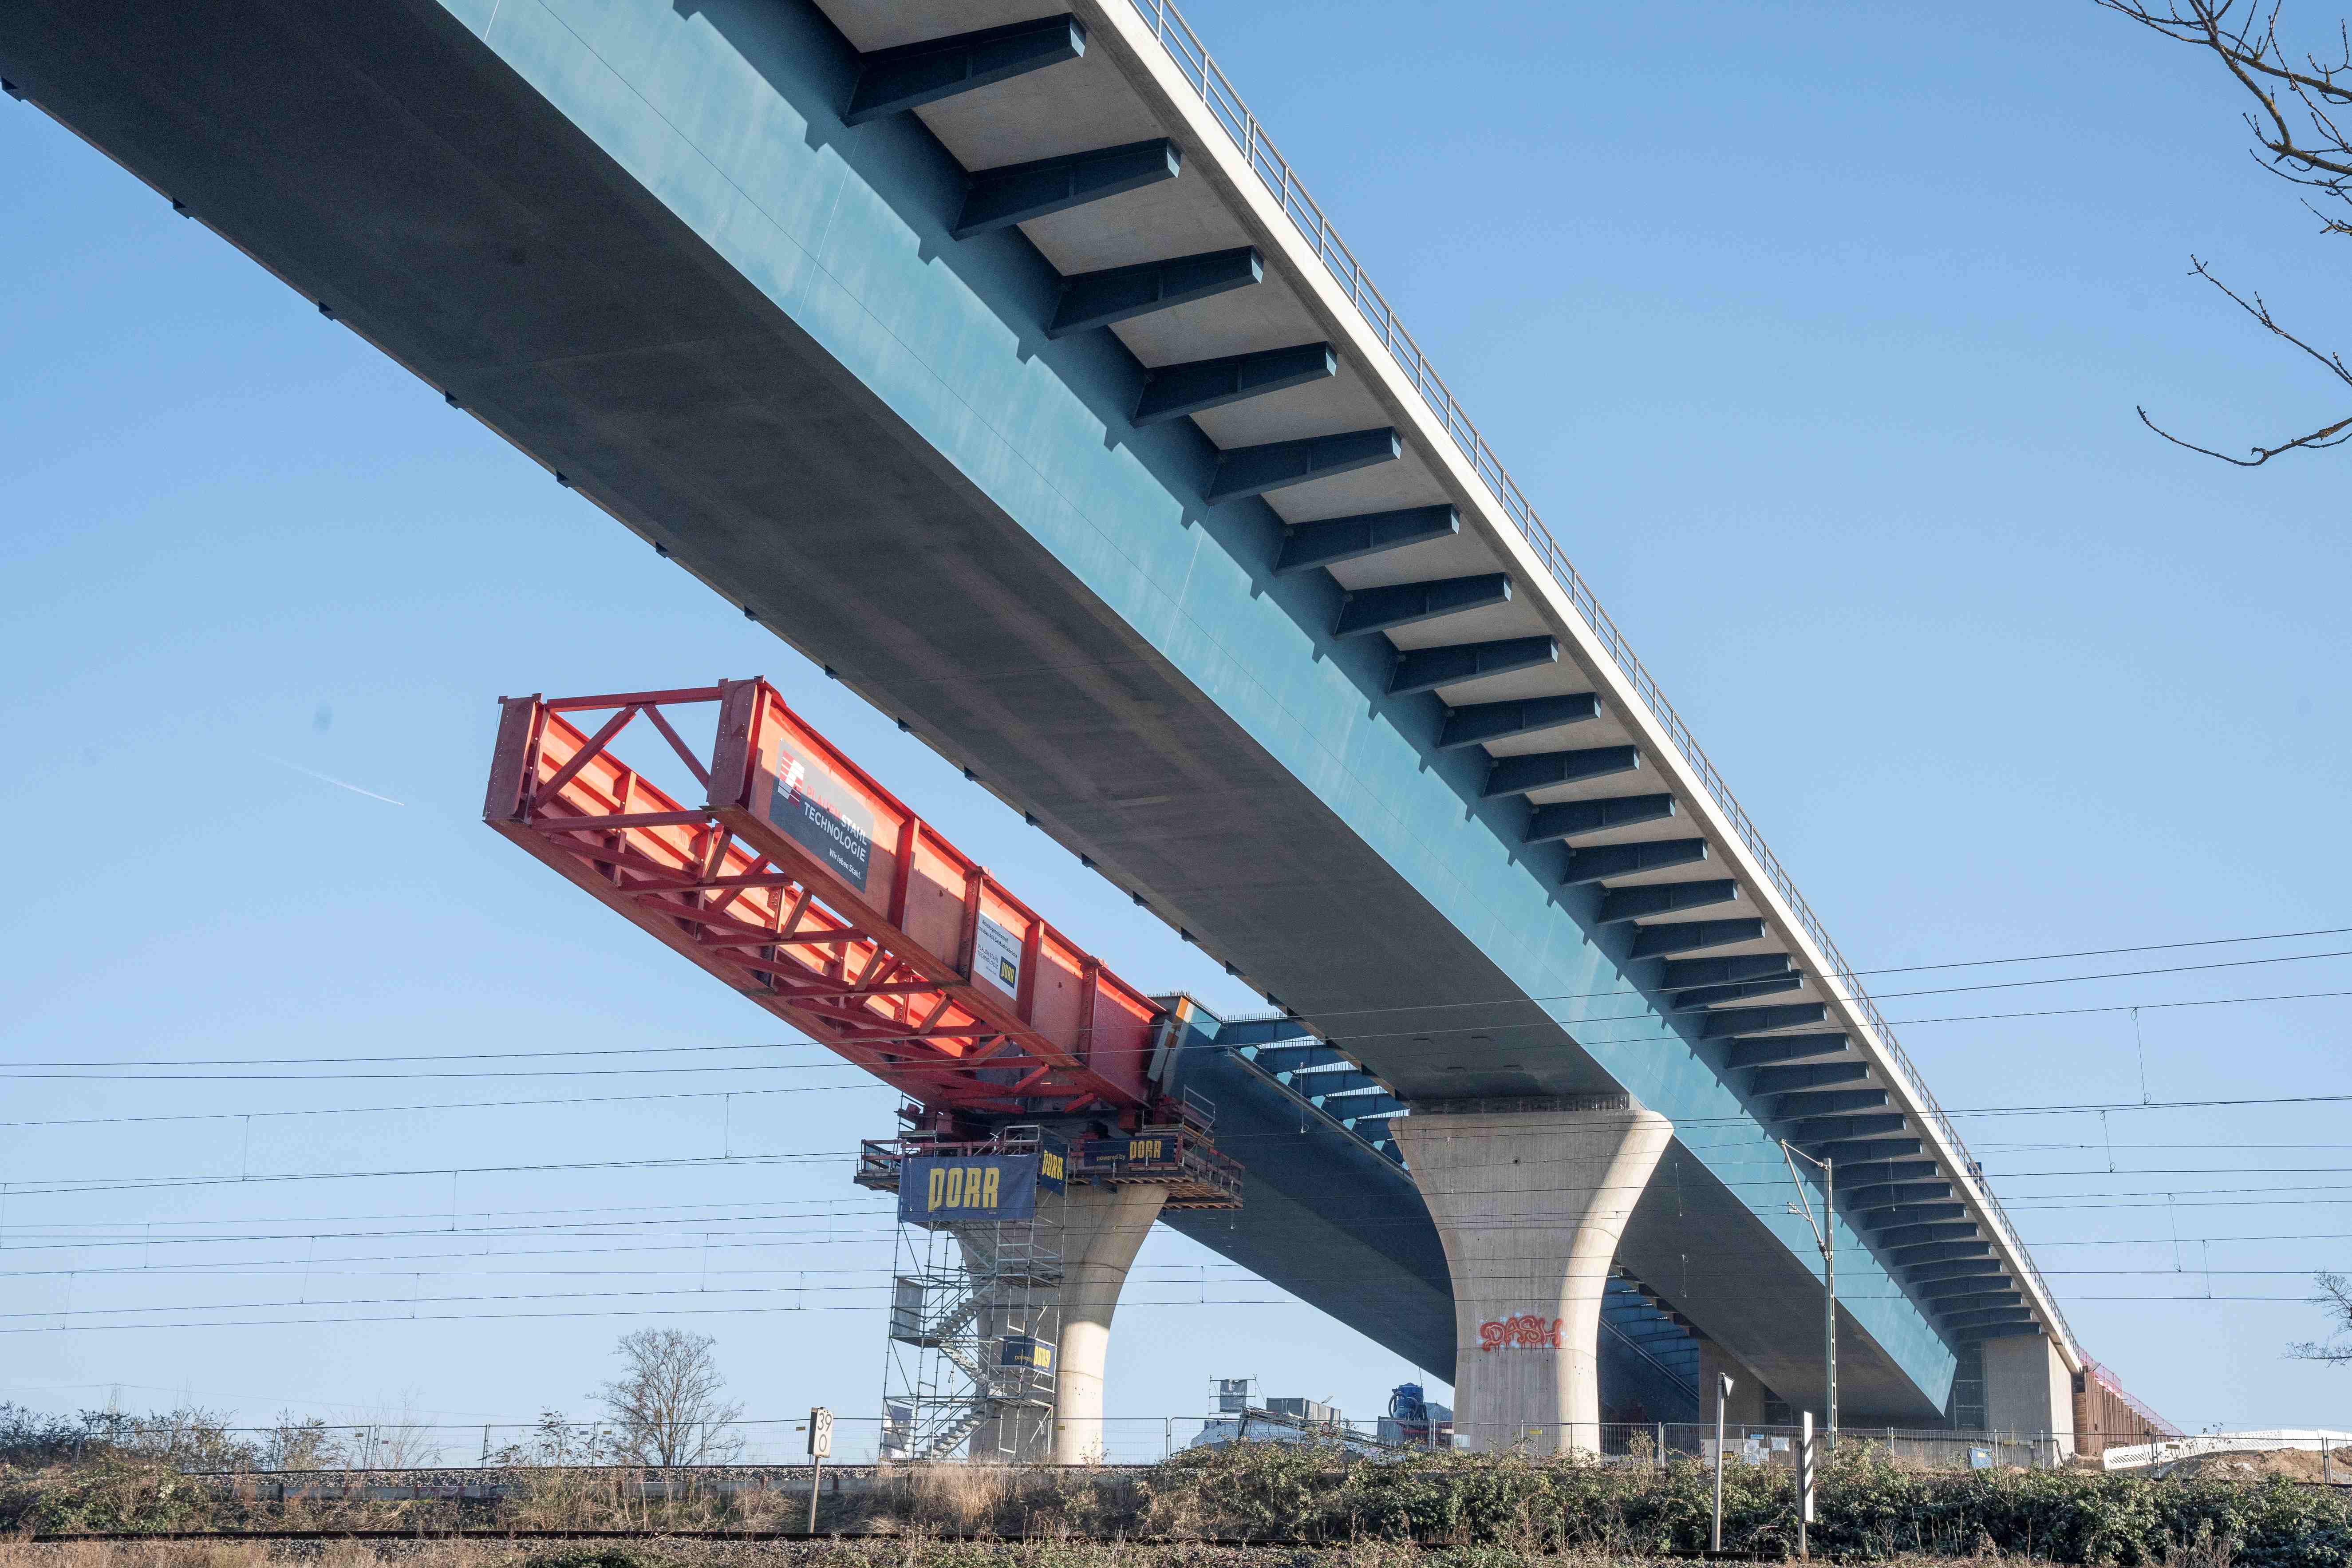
(975, 1318)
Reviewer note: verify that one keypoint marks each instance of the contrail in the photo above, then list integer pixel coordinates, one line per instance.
(328, 778)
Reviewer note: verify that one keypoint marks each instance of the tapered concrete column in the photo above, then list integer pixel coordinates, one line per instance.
(1530, 1196)
(1101, 1229)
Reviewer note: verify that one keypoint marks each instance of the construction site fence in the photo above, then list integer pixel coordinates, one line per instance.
(2334, 1449)
(1777, 1446)
(747, 1450)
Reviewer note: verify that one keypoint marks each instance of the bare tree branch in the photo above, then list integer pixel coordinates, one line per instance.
(2298, 126)
(2336, 1295)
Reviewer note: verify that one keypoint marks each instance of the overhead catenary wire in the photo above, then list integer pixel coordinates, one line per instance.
(66, 1186)
(47, 1240)
(1656, 1025)
(10, 1067)
(643, 1241)
(16, 1068)
(879, 1281)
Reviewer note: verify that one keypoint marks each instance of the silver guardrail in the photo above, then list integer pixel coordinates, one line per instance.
(1192, 58)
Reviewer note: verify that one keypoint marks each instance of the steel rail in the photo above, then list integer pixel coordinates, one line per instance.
(1193, 60)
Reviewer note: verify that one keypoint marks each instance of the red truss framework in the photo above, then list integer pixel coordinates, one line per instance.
(808, 888)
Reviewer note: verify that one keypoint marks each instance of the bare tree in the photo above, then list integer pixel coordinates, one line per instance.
(301, 1443)
(557, 1442)
(398, 1439)
(2336, 1295)
(2298, 125)
(666, 1407)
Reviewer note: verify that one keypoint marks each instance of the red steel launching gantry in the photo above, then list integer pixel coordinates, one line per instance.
(810, 889)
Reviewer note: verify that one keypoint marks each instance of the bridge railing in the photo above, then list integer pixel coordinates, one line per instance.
(1192, 58)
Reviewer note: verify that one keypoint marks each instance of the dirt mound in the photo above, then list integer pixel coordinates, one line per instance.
(2296, 1464)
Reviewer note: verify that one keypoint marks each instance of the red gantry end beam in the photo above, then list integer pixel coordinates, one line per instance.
(810, 889)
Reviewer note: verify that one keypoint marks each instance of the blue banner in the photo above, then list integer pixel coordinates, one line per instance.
(1154, 1153)
(935, 1189)
(1025, 1351)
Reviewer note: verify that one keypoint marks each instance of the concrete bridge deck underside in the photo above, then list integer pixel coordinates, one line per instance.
(635, 238)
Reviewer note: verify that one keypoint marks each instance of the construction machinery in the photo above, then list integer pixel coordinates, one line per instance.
(1022, 1061)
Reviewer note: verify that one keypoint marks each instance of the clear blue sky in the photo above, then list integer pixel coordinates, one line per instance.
(1815, 331)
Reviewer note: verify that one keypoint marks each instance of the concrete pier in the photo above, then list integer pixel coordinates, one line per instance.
(1101, 1229)
(1530, 1196)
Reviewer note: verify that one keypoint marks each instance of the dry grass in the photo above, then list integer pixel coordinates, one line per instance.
(960, 1499)
(913, 1550)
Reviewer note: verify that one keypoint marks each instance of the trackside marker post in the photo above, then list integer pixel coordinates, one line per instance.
(1807, 1471)
(1715, 1533)
(820, 1433)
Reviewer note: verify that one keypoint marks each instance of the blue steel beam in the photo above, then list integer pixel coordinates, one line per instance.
(1787, 1048)
(1015, 192)
(1984, 1291)
(1324, 1081)
(1943, 1270)
(1936, 1252)
(1544, 770)
(1684, 973)
(1845, 1130)
(1624, 904)
(1090, 300)
(1247, 1032)
(912, 75)
(1864, 1147)
(2021, 1316)
(1427, 668)
(1603, 861)
(1859, 1176)
(1277, 465)
(1915, 1213)
(1693, 936)
(1367, 610)
(1578, 818)
(1994, 1278)
(1758, 1020)
(1977, 1301)
(1337, 539)
(1900, 1238)
(1893, 1194)
(1828, 1074)
(1485, 722)
(1814, 1104)
(1700, 998)
(1173, 391)
(1289, 1058)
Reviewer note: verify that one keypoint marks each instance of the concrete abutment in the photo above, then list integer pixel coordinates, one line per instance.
(2028, 1391)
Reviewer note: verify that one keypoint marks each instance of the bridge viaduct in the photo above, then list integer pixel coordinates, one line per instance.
(999, 362)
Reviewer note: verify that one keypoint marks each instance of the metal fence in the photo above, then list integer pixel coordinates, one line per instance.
(1657, 1442)
(2332, 1449)
(381, 1449)
(1192, 58)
